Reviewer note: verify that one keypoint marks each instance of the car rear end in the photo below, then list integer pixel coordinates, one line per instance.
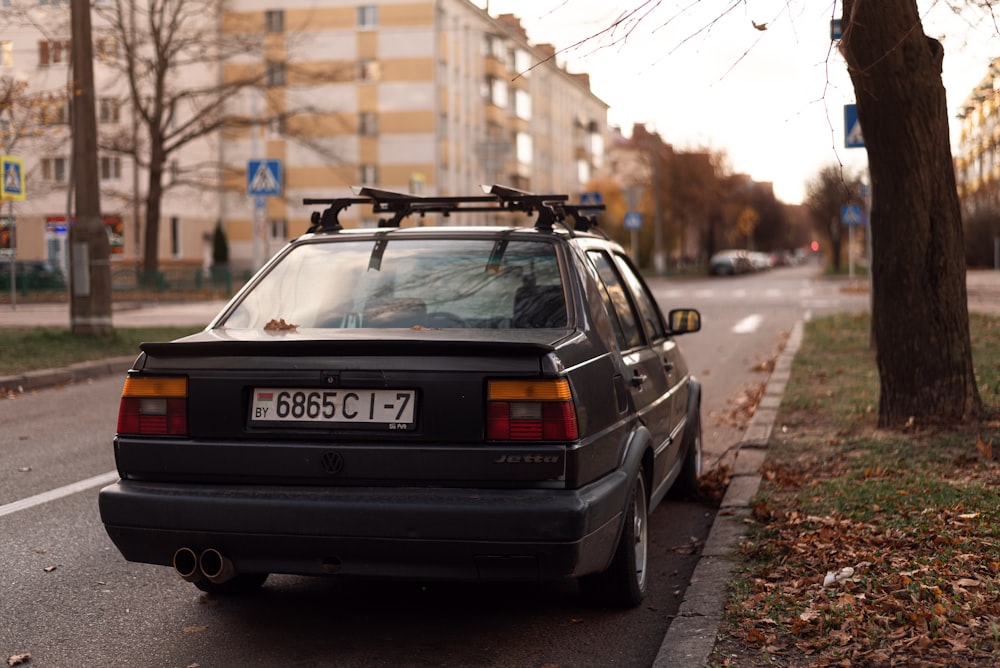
(368, 424)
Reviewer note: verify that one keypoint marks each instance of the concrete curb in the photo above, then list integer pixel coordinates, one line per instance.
(75, 373)
(691, 637)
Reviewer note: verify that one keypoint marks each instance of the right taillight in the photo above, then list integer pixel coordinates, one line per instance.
(155, 406)
(530, 410)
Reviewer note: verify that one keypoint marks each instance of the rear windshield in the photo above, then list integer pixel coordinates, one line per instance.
(431, 283)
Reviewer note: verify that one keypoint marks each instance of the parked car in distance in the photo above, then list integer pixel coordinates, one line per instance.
(476, 403)
(730, 263)
(760, 261)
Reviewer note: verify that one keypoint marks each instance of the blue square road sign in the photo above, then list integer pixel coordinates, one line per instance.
(264, 177)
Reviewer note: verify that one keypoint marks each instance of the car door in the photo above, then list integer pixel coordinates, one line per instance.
(669, 355)
(646, 375)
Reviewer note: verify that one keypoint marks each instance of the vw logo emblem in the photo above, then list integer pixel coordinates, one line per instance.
(332, 462)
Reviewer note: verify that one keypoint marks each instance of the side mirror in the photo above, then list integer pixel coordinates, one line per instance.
(684, 320)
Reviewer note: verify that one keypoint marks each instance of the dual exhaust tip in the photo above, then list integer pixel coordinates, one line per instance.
(210, 565)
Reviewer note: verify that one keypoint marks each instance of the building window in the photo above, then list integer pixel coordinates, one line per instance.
(495, 47)
(524, 148)
(368, 175)
(496, 91)
(52, 110)
(111, 168)
(369, 70)
(54, 169)
(275, 73)
(522, 104)
(522, 63)
(277, 229)
(276, 127)
(367, 124)
(367, 16)
(106, 49)
(108, 110)
(52, 52)
(7, 54)
(274, 20)
(175, 236)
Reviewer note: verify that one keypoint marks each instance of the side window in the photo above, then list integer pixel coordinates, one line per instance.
(648, 310)
(617, 302)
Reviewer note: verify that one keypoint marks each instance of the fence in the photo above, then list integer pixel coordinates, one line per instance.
(52, 284)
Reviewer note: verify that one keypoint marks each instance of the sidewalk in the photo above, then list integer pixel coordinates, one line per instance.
(129, 314)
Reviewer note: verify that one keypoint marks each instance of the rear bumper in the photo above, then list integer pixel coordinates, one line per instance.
(407, 532)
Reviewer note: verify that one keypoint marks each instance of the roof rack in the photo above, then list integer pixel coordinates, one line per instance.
(551, 209)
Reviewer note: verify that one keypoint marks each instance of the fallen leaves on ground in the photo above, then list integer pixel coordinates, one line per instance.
(914, 583)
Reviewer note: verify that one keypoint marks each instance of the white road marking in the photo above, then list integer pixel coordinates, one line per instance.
(748, 324)
(58, 493)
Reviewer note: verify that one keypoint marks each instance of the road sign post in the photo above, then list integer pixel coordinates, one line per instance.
(264, 179)
(633, 223)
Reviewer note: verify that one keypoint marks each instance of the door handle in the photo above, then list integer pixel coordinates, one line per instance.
(668, 366)
(638, 378)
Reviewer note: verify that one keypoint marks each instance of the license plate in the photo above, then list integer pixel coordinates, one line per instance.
(392, 408)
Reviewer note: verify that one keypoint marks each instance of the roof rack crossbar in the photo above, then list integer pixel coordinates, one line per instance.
(550, 208)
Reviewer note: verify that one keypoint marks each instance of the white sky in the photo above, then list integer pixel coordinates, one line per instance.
(705, 78)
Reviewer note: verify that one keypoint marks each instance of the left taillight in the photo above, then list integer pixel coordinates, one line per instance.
(153, 406)
(530, 410)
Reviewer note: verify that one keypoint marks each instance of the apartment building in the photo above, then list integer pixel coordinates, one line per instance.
(977, 160)
(426, 96)
(434, 97)
(36, 84)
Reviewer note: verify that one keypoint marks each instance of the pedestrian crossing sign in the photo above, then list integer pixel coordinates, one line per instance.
(12, 185)
(264, 177)
(852, 128)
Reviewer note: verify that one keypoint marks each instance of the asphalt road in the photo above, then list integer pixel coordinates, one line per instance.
(69, 599)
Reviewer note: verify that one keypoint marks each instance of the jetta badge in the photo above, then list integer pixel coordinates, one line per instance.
(527, 459)
(332, 462)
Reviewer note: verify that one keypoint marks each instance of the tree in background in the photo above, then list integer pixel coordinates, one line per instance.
(162, 40)
(826, 194)
(35, 121)
(919, 300)
(920, 307)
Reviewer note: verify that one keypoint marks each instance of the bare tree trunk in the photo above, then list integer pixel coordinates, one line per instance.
(90, 278)
(835, 245)
(154, 198)
(918, 275)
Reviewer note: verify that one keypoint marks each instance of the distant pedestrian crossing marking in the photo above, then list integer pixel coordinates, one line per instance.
(748, 324)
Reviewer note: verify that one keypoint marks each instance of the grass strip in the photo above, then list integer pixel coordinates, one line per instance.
(868, 547)
(23, 350)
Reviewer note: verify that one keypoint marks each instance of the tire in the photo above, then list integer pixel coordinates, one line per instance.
(686, 484)
(243, 583)
(623, 584)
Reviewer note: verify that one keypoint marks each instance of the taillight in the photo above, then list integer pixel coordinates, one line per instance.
(530, 410)
(153, 407)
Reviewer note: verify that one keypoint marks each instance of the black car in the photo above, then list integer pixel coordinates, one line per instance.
(421, 402)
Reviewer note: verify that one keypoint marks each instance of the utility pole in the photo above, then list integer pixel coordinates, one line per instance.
(90, 255)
